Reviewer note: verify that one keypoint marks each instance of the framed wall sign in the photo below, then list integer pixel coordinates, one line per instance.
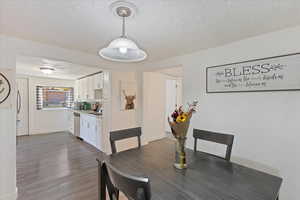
(279, 73)
(5, 87)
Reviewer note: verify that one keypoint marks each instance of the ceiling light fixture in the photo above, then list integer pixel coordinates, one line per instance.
(123, 49)
(47, 70)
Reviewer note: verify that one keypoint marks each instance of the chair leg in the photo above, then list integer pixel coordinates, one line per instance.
(102, 185)
(99, 179)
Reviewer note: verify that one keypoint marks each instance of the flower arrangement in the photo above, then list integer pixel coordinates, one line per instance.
(179, 126)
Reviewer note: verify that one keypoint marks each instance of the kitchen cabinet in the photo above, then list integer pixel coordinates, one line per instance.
(90, 87)
(106, 91)
(76, 90)
(90, 130)
(79, 88)
(98, 81)
(84, 92)
(71, 122)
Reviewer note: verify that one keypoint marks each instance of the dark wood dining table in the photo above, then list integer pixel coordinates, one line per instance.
(206, 178)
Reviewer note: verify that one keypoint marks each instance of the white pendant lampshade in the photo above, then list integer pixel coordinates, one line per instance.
(123, 49)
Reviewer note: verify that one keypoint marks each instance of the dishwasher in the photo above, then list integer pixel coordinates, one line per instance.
(77, 124)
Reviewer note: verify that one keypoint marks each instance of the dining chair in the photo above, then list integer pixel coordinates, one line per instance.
(134, 188)
(220, 138)
(124, 134)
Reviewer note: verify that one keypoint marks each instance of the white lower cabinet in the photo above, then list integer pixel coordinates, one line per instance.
(90, 130)
(71, 122)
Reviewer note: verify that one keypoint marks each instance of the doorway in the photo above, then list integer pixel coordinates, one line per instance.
(162, 92)
(173, 100)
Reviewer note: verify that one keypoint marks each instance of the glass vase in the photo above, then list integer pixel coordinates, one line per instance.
(180, 156)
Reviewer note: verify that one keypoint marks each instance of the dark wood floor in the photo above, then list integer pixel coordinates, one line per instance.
(56, 167)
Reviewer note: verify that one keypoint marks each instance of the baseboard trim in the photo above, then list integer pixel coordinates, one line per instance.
(12, 196)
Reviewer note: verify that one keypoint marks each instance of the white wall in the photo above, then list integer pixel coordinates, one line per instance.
(154, 107)
(47, 121)
(265, 124)
(170, 101)
(8, 132)
(123, 119)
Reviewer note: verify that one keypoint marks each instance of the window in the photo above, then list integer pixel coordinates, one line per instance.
(54, 97)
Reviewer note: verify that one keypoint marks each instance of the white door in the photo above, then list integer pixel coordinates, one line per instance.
(171, 100)
(22, 107)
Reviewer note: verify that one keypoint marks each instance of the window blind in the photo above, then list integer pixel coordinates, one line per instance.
(39, 97)
(70, 98)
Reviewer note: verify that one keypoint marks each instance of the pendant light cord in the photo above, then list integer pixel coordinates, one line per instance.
(123, 27)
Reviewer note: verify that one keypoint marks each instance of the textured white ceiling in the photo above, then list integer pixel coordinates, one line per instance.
(63, 70)
(176, 72)
(164, 28)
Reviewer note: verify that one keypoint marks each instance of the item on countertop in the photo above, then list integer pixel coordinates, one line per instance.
(86, 106)
(99, 108)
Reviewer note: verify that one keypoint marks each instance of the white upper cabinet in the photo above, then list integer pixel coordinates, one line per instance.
(84, 92)
(98, 81)
(88, 88)
(77, 89)
(76, 92)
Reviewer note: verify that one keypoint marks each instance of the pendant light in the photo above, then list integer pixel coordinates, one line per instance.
(123, 49)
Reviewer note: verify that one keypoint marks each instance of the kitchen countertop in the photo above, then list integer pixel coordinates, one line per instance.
(88, 112)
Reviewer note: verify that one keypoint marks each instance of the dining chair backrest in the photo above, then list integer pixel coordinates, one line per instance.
(220, 138)
(124, 134)
(134, 188)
